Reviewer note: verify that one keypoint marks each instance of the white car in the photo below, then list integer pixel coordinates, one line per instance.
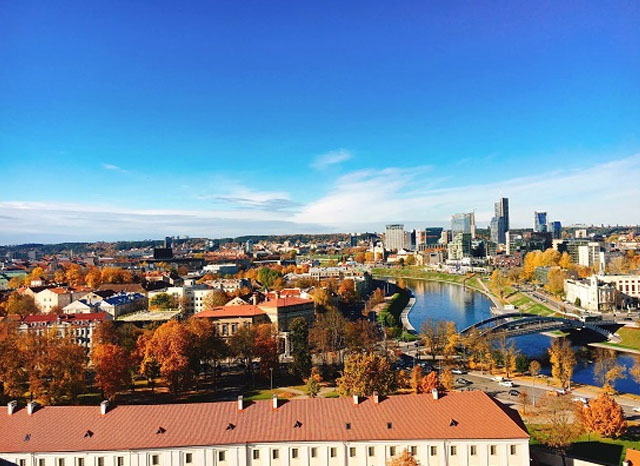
(580, 399)
(458, 371)
(497, 378)
(506, 383)
(636, 409)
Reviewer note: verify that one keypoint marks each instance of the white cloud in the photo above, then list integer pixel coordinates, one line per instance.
(115, 168)
(331, 158)
(245, 198)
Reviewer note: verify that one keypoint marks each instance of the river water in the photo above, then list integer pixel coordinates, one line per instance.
(443, 301)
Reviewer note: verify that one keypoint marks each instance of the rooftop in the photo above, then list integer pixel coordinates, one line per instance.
(404, 417)
(240, 310)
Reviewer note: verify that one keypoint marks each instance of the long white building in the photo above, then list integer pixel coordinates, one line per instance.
(455, 429)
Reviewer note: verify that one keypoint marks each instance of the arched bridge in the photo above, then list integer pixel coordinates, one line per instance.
(516, 324)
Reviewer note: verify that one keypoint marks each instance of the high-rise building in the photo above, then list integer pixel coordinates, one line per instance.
(464, 223)
(394, 239)
(556, 230)
(540, 222)
(500, 222)
(432, 235)
(501, 209)
(460, 246)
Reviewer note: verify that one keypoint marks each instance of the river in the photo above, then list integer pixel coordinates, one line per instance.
(443, 301)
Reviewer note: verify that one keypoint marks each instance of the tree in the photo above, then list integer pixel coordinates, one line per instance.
(13, 375)
(147, 364)
(604, 416)
(604, 361)
(327, 335)
(532, 260)
(498, 282)
(243, 346)
(431, 381)
(312, 385)
(21, 304)
(267, 277)
(323, 299)
(299, 335)
(410, 260)
(561, 428)
(534, 370)
(105, 333)
(266, 348)
(565, 261)
(170, 346)
(523, 397)
(452, 341)
(366, 373)
(213, 299)
(74, 275)
(93, 278)
(447, 379)
(207, 347)
(361, 335)
(555, 281)
(563, 360)
(416, 379)
(405, 459)
(112, 367)
(360, 258)
(434, 335)
(347, 291)
(163, 302)
(613, 374)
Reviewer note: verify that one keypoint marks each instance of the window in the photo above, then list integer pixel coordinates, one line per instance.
(79, 462)
(275, 454)
(256, 454)
(22, 462)
(60, 462)
(100, 461)
(512, 449)
(120, 461)
(352, 452)
(333, 452)
(221, 455)
(371, 451)
(433, 451)
(413, 450)
(473, 450)
(155, 460)
(392, 451)
(294, 453)
(348, 426)
(314, 452)
(454, 450)
(41, 462)
(492, 450)
(188, 458)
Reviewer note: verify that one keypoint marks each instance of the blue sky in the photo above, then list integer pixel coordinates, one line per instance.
(139, 119)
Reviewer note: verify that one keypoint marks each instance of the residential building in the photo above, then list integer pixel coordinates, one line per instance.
(458, 429)
(501, 209)
(221, 269)
(394, 238)
(589, 255)
(79, 326)
(540, 222)
(53, 298)
(282, 310)
(556, 229)
(628, 287)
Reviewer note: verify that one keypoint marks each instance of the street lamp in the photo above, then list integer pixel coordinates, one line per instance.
(271, 377)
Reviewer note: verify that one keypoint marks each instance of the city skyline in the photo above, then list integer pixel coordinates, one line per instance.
(216, 120)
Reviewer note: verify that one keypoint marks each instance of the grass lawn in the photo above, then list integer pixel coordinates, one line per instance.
(592, 447)
(526, 304)
(630, 337)
(266, 394)
(332, 394)
(419, 272)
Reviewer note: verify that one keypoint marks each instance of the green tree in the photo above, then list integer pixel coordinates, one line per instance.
(163, 302)
(299, 335)
(267, 277)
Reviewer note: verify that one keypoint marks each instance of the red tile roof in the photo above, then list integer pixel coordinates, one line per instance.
(30, 319)
(286, 301)
(633, 456)
(412, 417)
(240, 310)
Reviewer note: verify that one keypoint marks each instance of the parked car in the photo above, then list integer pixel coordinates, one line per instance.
(497, 378)
(636, 409)
(462, 381)
(458, 371)
(514, 392)
(580, 399)
(506, 383)
(561, 391)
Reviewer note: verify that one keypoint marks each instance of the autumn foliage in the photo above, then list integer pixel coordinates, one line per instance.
(603, 416)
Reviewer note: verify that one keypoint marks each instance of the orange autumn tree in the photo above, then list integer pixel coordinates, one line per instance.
(604, 416)
(416, 379)
(431, 381)
(112, 366)
(405, 459)
(170, 347)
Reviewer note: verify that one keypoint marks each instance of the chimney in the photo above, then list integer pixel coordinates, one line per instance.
(434, 392)
(240, 403)
(274, 401)
(104, 407)
(11, 407)
(254, 299)
(376, 398)
(277, 293)
(31, 407)
(356, 400)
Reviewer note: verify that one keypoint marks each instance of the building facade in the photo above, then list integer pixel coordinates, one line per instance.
(540, 222)
(457, 429)
(394, 238)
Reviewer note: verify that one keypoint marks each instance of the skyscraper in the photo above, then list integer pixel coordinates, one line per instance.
(394, 237)
(556, 230)
(540, 222)
(500, 222)
(464, 223)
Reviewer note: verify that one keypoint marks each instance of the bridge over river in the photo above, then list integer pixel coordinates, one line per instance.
(515, 324)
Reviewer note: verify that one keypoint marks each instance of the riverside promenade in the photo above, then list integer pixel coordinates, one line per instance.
(404, 315)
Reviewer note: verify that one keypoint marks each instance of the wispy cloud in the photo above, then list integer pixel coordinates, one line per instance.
(245, 198)
(331, 158)
(115, 168)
